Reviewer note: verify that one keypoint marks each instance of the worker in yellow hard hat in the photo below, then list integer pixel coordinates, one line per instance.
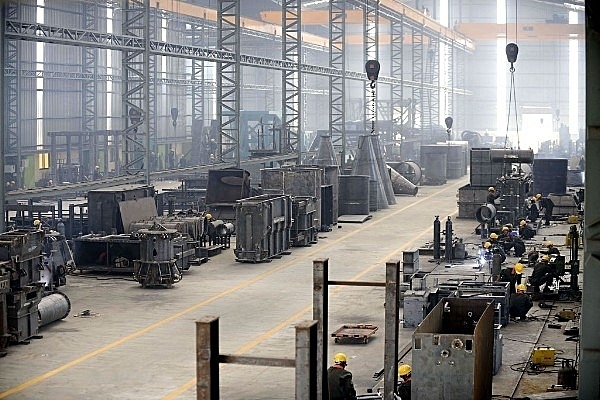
(526, 232)
(520, 303)
(533, 211)
(543, 274)
(339, 379)
(405, 375)
(551, 250)
(512, 275)
(492, 195)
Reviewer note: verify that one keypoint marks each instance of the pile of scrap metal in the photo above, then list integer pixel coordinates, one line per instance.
(33, 264)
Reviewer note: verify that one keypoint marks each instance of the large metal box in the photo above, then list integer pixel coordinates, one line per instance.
(263, 227)
(415, 308)
(104, 211)
(226, 186)
(295, 181)
(304, 230)
(451, 351)
(331, 176)
(499, 292)
(22, 312)
(21, 252)
(354, 195)
(410, 263)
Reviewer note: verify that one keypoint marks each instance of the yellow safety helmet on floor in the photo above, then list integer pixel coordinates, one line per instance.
(521, 287)
(340, 358)
(493, 236)
(404, 370)
(519, 268)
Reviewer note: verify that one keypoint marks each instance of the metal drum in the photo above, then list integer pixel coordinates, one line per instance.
(53, 307)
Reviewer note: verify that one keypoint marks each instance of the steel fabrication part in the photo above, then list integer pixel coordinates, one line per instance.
(53, 307)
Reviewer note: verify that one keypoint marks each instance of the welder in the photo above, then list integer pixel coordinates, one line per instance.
(520, 303)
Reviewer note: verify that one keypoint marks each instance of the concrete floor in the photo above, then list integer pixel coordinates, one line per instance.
(140, 343)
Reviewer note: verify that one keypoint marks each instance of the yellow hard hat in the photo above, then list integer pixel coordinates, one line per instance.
(545, 257)
(533, 198)
(36, 222)
(522, 222)
(493, 236)
(491, 189)
(548, 244)
(209, 216)
(538, 196)
(340, 358)
(519, 268)
(505, 228)
(487, 244)
(521, 287)
(404, 370)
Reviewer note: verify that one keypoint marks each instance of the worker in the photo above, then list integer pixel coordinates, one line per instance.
(512, 275)
(496, 247)
(339, 379)
(542, 275)
(505, 239)
(533, 212)
(545, 205)
(551, 250)
(526, 232)
(37, 225)
(404, 372)
(520, 303)
(492, 196)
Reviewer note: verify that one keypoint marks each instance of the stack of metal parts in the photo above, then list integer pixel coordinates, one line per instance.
(157, 264)
(497, 292)
(451, 351)
(263, 227)
(21, 260)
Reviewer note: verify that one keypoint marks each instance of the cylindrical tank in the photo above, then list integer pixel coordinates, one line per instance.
(53, 307)
(354, 195)
(550, 175)
(485, 213)
(401, 185)
(434, 159)
(408, 169)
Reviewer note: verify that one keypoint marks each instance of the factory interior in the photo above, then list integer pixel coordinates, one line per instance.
(227, 199)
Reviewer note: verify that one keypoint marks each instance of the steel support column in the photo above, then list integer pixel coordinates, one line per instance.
(228, 81)
(417, 75)
(371, 52)
(431, 77)
(89, 92)
(320, 314)
(12, 60)
(392, 314)
(2, 114)
(306, 360)
(291, 47)
(207, 358)
(589, 367)
(337, 84)
(136, 22)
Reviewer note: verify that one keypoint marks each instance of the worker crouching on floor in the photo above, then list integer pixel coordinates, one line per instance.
(512, 275)
(339, 379)
(520, 303)
(404, 372)
(543, 274)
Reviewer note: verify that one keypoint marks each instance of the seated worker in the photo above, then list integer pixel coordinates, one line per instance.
(543, 274)
(496, 247)
(512, 275)
(404, 372)
(551, 250)
(526, 232)
(520, 303)
(339, 379)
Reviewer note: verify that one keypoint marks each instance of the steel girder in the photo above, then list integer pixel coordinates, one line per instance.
(337, 84)
(291, 49)
(11, 95)
(417, 74)
(228, 80)
(397, 60)
(89, 90)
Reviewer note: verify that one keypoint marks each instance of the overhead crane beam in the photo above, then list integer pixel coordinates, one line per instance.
(522, 31)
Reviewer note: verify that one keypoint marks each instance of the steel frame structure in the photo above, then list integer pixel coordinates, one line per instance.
(337, 84)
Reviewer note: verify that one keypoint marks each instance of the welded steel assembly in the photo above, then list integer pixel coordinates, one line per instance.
(157, 265)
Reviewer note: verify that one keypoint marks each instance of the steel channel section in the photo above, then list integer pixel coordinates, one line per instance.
(392, 313)
(452, 348)
(337, 84)
(320, 314)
